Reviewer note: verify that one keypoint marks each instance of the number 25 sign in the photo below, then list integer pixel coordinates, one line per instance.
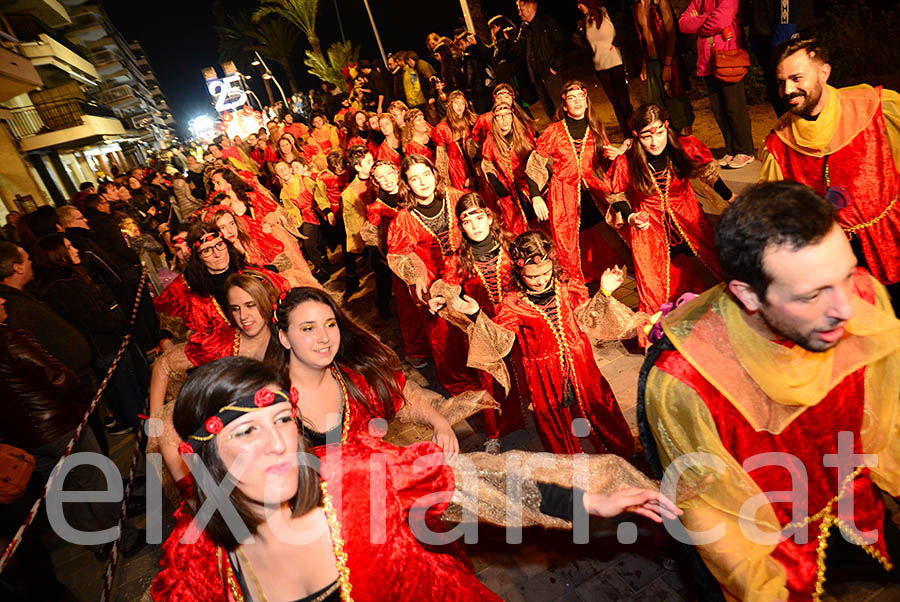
(227, 93)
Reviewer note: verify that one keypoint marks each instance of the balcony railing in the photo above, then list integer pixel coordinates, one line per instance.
(52, 116)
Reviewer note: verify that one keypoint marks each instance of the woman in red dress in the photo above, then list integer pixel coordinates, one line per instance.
(308, 532)
(417, 135)
(420, 239)
(670, 236)
(505, 154)
(558, 359)
(481, 269)
(451, 137)
(575, 143)
(247, 202)
(251, 296)
(346, 376)
(389, 150)
(379, 215)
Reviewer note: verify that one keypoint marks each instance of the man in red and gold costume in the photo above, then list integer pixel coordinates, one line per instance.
(846, 145)
(783, 377)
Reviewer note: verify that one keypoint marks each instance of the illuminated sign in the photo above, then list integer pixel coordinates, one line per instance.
(227, 93)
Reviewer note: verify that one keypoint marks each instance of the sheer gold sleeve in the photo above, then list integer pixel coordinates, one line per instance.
(605, 318)
(712, 490)
(410, 425)
(442, 163)
(500, 488)
(369, 234)
(488, 345)
(175, 363)
(613, 218)
(536, 169)
(409, 268)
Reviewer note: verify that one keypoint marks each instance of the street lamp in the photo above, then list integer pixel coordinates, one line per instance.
(255, 63)
(268, 75)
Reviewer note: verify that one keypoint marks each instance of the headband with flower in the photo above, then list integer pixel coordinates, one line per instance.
(209, 212)
(208, 237)
(535, 259)
(214, 424)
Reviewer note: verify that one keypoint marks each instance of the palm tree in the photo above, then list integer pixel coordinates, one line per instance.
(237, 37)
(330, 69)
(300, 13)
(276, 38)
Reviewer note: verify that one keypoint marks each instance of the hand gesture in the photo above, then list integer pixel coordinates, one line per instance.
(639, 220)
(644, 72)
(331, 219)
(445, 438)
(436, 304)
(645, 502)
(611, 151)
(540, 208)
(612, 279)
(421, 289)
(466, 305)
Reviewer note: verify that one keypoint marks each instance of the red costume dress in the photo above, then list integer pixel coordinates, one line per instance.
(412, 325)
(452, 150)
(395, 566)
(560, 371)
(488, 287)
(732, 393)
(386, 152)
(511, 174)
(414, 148)
(415, 250)
(575, 167)
(481, 131)
(334, 186)
(676, 218)
(861, 157)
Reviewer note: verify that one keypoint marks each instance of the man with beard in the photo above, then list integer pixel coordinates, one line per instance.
(782, 378)
(846, 145)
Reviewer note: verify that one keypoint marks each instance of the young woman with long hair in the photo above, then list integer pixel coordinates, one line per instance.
(262, 249)
(503, 94)
(358, 132)
(251, 297)
(576, 143)
(345, 376)
(504, 155)
(420, 239)
(288, 149)
(451, 137)
(481, 269)
(398, 111)
(90, 306)
(670, 237)
(390, 148)
(307, 532)
(416, 137)
(557, 356)
(379, 215)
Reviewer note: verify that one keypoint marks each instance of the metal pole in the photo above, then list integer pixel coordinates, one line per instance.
(467, 15)
(375, 29)
(340, 24)
(269, 71)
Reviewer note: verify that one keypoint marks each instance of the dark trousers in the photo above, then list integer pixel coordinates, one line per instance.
(314, 248)
(616, 88)
(765, 54)
(128, 386)
(383, 281)
(549, 88)
(729, 106)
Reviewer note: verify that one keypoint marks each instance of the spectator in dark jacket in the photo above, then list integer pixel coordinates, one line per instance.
(381, 95)
(478, 71)
(92, 308)
(105, 228)
(540, 44)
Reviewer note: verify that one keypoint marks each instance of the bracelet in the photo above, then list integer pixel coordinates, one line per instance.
(606, 293)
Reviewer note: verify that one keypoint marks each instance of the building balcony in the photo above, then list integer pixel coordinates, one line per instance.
(86, 26)
(119, 97)
(50, 12)
(17, 75)
(68, 122)
(48, 53)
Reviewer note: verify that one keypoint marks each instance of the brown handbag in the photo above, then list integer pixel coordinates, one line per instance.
(729, 66)
(16, 466)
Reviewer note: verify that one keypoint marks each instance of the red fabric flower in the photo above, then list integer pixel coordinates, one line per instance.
(295, 396)
(520, 262)
(214, 425)
(185, 448)
(295, 411)
(263, 398)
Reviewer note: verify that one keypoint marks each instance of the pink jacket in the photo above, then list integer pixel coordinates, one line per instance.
(716, 20)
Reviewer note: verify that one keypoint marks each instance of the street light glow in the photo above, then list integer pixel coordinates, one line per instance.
(267, 76)
(255, 63)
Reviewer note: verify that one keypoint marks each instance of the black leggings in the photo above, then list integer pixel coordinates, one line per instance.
(616, 88)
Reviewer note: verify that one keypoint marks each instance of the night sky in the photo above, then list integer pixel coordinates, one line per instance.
(179, 38)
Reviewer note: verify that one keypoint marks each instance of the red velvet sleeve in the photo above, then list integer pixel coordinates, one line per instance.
(441, 134)
(174, 299)
(507, 315)
(696, 150)
(620, 174)
(190, 571)
(577, 293)
(452, 273)
(204, 347)
(399, 240)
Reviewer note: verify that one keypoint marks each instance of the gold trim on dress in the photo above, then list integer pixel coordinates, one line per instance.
(337, 542)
